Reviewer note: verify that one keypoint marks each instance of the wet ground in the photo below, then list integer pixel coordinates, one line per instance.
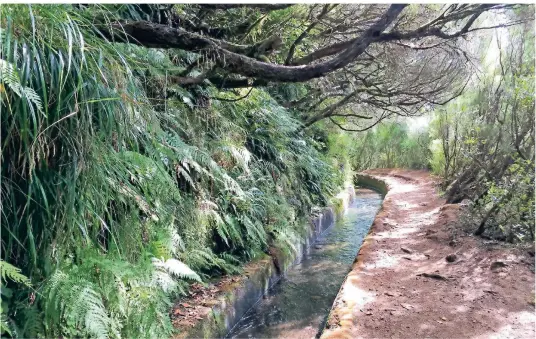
(297, 306)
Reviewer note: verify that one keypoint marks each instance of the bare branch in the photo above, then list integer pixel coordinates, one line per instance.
(232, 58)
(433, 28)
(302, 36)
(383, 117)
(264, 7)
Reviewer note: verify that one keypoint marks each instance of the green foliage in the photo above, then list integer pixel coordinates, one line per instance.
(8, 271)
(120, 188)
(483, 145)
(391, 145)
(513, 195)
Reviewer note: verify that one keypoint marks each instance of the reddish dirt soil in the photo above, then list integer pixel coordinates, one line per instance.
(487, 292)
(190, 310)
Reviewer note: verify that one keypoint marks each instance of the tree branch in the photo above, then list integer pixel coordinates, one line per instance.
(234, 100)
(232, 58)
(263, 7)
(351, 115)
(328, 111)
(421, 32)
(359, 130)
(327, 8)
(324, 52)
(156, 35)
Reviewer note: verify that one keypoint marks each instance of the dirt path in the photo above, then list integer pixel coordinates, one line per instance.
(402, 286)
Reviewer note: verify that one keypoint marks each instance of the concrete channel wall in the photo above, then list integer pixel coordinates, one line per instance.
(263, 274)
(367, 181)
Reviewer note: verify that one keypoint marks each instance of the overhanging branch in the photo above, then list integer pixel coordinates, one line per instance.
(235, 58)
(383, 116)
(263, 7)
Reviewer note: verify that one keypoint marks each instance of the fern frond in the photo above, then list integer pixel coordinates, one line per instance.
(8, 271)
(4, 325)
(10, 77)
(177, 269)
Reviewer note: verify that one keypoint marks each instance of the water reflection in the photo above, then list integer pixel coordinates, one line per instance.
(297, 306)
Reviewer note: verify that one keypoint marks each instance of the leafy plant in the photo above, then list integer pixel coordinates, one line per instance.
(120, 188)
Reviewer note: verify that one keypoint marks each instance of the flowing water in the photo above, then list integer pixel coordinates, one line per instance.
(298, 305)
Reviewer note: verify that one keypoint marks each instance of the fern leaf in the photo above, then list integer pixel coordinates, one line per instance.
(33, 97)
(10, 77)
(9, 271)
(177, 268)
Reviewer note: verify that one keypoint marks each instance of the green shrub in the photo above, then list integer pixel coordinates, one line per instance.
(119, 189)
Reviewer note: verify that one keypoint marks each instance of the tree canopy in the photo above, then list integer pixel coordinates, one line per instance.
(359, 63)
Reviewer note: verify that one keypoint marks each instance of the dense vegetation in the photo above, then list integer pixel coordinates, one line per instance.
(486, 149)
(391, 145)
(146, 147)
(113, 199)
(481, 144)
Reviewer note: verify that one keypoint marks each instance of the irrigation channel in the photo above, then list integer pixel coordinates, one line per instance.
(298, 305)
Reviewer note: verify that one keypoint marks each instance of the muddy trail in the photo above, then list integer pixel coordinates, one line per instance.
(418, 275)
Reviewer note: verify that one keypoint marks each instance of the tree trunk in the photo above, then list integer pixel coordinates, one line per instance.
(455, 191)
(482, 226)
